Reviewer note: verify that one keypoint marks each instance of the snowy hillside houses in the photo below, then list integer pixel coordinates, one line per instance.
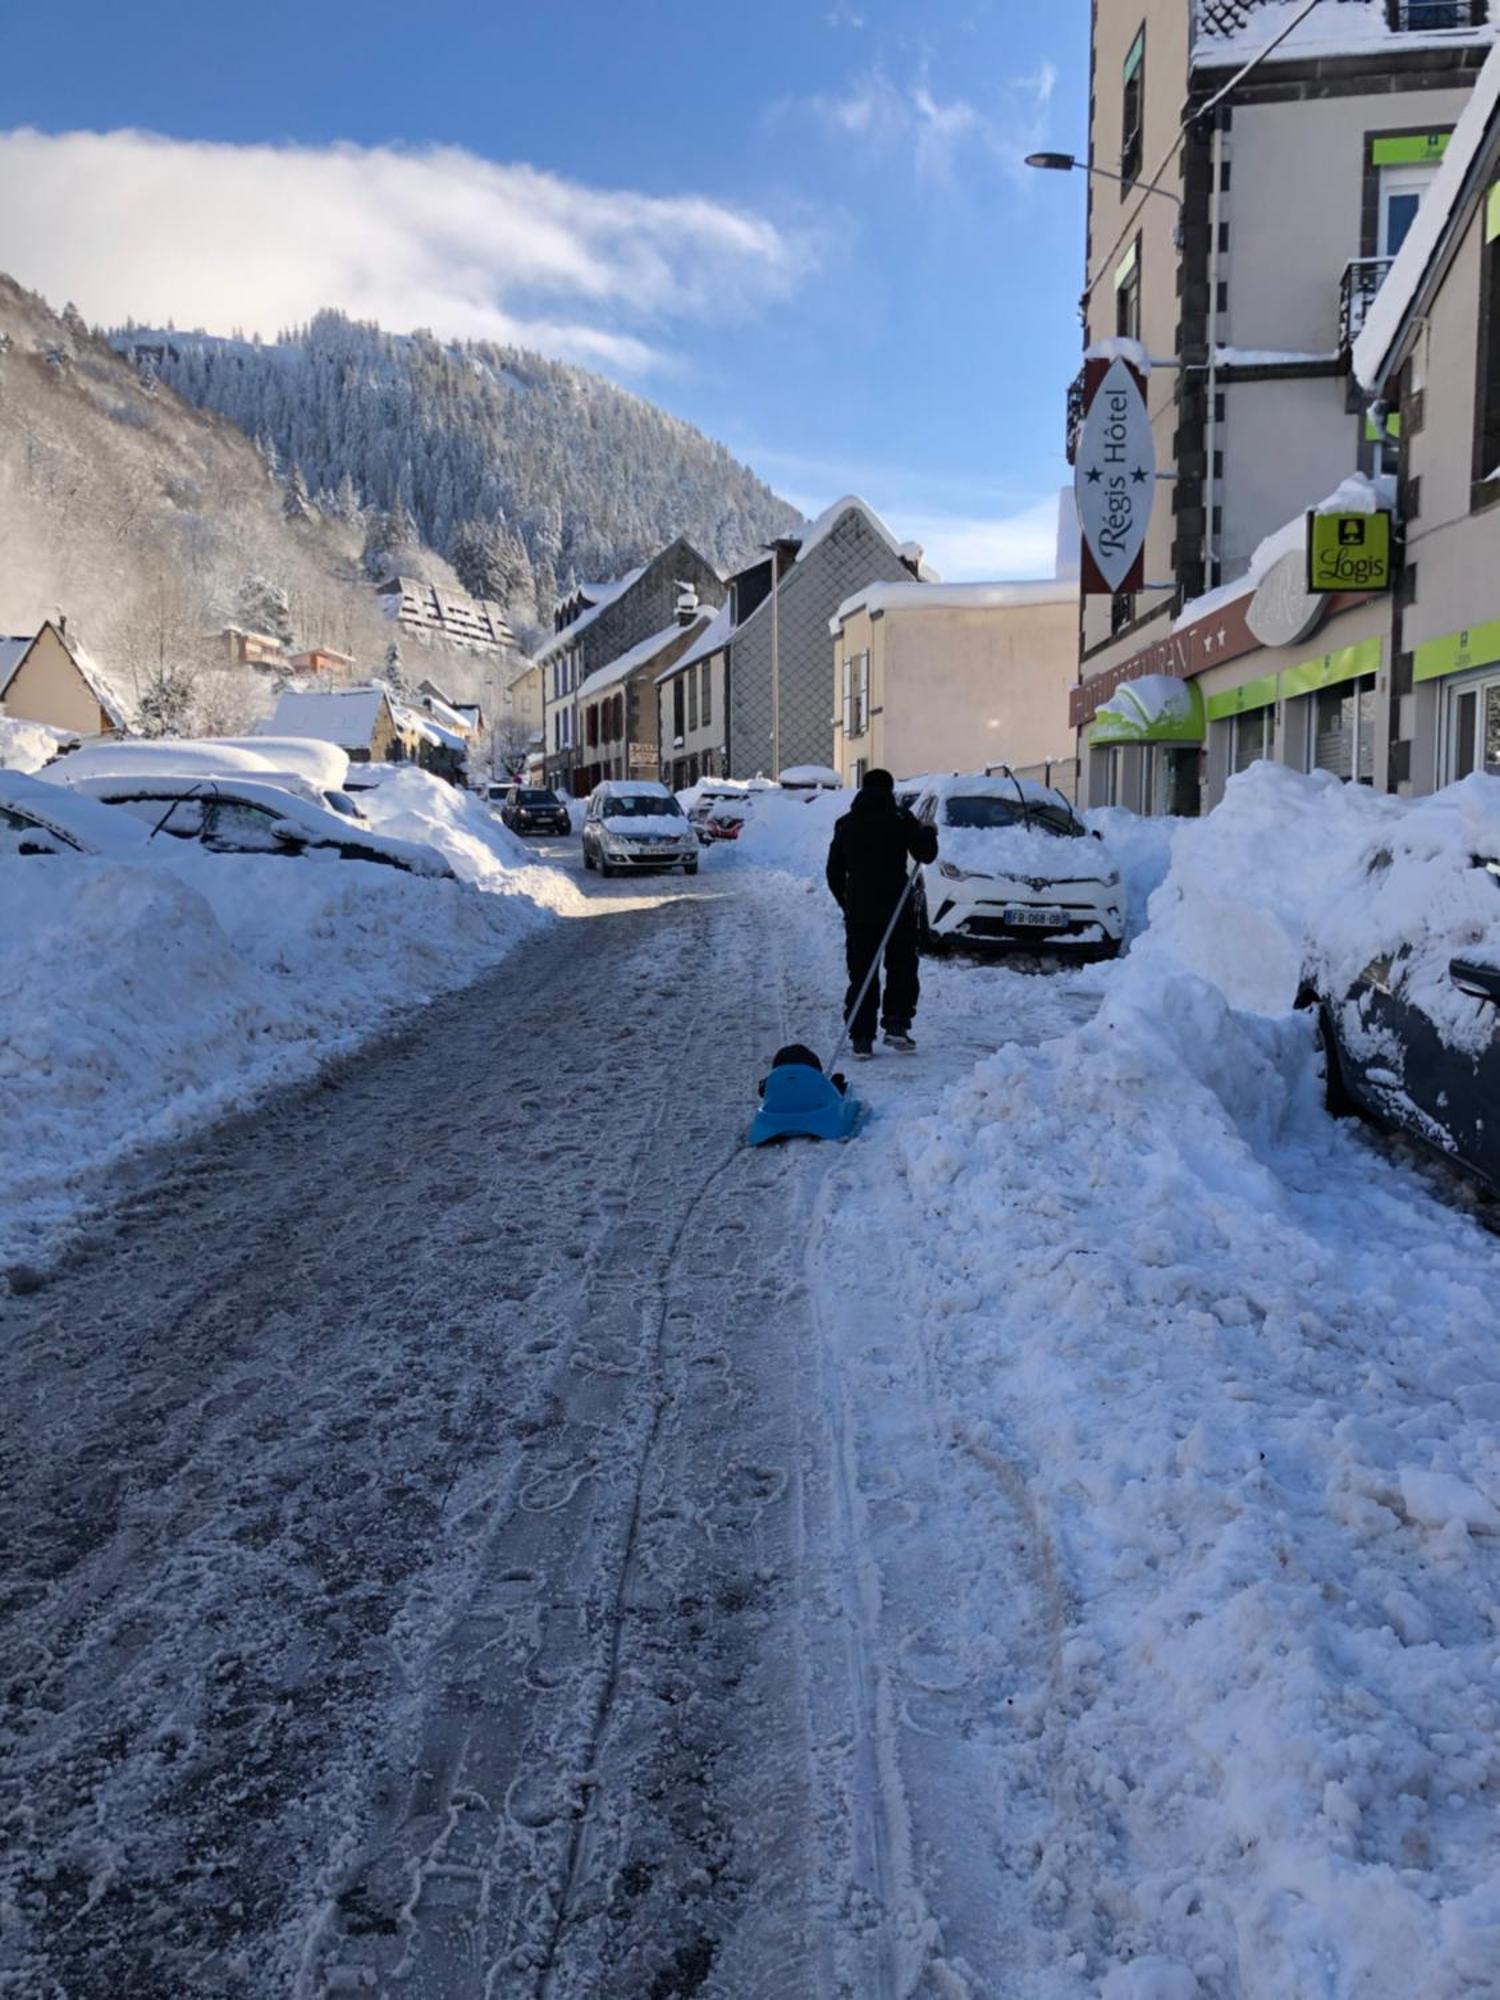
(1290, 169)
(372, 728)
(595, 625)
(46, 676)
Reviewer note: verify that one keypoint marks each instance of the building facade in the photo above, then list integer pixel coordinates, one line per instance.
(693, 707)
(618, 706)
(595, 625)
(779, 645)
(954, 677)
(49, 678)
(1265, 188)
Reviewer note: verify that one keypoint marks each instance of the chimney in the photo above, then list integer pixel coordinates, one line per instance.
(687, 603)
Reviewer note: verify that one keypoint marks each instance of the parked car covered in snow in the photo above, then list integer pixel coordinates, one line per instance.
(717, 812)
(249, 816)
(1016, 866)
(38, 818)
(1413, 1041)
(533, 809)
(633, 823)
(314, 771)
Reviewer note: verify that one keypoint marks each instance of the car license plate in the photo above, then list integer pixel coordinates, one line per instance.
(1024, 916)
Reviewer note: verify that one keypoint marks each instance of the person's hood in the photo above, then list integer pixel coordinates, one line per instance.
(873, 802)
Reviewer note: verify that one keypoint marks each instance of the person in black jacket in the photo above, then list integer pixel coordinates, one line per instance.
(868, 860)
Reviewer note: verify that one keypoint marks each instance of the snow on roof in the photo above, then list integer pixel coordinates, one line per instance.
(988, 784)
(801, 777)
(347, 717)
(877, 597)
(1228, 33)
(830, 517)
(1357, 494)
(624, 788)
(447, 716)
(714, 635)
(625, 665)
(107, 691)
(1374, 349)
(602, 595)
(12, 651)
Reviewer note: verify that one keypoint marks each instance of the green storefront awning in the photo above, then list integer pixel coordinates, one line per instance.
(1154, 709)
(1409, 149)
(1349, 663)
(1456, 652)
(1241, 700)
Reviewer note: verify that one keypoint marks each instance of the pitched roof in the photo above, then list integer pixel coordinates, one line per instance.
(622, 668)
(714, 635)
(113, 701)
(602, 596)
(1428, 239)
(12, 651)
(347, 717)
(828, 520)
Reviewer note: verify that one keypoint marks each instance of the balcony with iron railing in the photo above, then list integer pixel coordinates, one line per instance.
(1075, 415)
(1361, 282)
(1221, 20)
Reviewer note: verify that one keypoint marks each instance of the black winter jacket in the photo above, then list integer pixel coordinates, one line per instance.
(868, 859)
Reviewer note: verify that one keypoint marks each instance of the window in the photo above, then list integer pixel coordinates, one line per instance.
(1121, 611)
(1344, 730)
(1474, 731)
(706, 695)
(1128, 293)
(692, 698)
(857, 773)
(679, 698)
(1401, 192)
(245, 828)
(1253, 734)
(1487, 393)
(1132, 108)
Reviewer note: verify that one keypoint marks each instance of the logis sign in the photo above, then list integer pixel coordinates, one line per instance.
(1115, 478)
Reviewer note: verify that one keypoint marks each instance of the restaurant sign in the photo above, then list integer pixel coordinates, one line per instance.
(1115, 478)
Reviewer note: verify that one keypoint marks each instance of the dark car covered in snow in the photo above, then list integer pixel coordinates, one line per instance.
(1416, 1048)
(533, 809)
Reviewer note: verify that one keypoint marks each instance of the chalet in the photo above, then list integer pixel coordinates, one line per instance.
(250, 649)
(48, 677)
(359, 720)
(322, 660)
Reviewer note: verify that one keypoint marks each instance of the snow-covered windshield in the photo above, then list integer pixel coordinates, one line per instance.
(640, 805)
(987, 810)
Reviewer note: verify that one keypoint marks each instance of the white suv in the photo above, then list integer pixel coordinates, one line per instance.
(632, 823)
(1015, 866)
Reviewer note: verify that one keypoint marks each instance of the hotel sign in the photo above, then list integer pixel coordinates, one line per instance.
(1350, 552)
(1115, 478)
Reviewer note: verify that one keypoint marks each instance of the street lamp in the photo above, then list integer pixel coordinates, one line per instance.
(1066, 163)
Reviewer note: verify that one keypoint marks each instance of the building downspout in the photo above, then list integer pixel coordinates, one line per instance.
(1211, 427)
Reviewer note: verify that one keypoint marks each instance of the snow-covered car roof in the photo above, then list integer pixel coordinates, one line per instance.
(635, 788)
(96, 828)
(146, 762)
(314, 821)
(982, 785)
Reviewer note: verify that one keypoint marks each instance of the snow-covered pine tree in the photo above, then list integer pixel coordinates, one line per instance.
(395, 669)
(295, 504)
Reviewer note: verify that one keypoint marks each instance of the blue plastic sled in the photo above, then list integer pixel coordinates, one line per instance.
(799, 1102)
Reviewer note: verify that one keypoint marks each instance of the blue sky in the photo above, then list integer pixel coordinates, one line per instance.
(805, 228)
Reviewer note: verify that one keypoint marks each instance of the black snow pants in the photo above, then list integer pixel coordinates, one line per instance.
(902, 987)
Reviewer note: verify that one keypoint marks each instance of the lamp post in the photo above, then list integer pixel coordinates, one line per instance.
(1067, 163)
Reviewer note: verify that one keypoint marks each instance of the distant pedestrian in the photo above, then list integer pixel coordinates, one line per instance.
(868, 861)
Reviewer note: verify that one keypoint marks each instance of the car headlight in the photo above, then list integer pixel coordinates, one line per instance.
(962, 874)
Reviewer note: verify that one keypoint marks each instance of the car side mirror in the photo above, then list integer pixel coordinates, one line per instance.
(1096, 833)
(287, 834)
(1480, 982)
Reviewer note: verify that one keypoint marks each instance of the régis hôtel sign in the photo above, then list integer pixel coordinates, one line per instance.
(1114, 480)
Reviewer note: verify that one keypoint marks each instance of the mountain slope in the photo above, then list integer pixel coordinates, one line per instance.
(500, 457)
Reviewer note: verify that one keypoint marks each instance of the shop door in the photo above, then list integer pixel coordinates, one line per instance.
(1473, 731)
(1344, 731)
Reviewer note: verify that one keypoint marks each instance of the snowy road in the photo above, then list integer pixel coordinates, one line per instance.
(477, 1530)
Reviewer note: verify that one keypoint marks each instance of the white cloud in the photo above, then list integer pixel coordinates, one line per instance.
(891, 119)
(131, 224)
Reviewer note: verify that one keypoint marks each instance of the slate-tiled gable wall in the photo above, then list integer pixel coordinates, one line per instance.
(648, 606)
(811, 592)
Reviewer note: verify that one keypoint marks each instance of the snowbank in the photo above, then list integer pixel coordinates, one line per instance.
(1141, 848)
(27, 746)
(142, 1001)
(787, 830)
(1248, 1379)
(1294, 877)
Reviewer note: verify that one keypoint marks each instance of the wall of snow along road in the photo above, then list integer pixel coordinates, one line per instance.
(1249, 1372)
(142, 1001)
